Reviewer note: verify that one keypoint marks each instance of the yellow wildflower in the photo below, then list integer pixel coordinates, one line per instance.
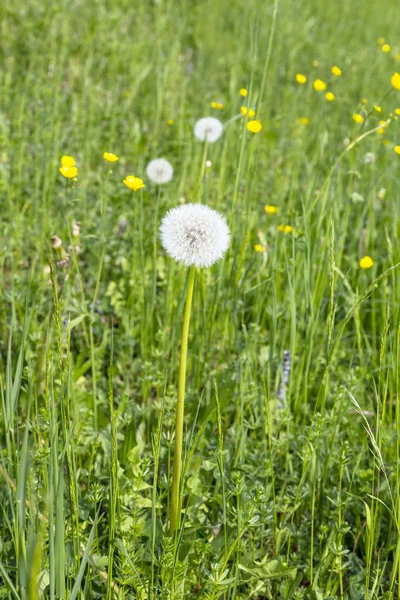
(67, 161)
(386, 48)
(254, 126)
(134, 183)
(170, 122)
(270, 210)
(381, 41)
(109, 157)
(366, 262)
(397, 149)
(217, 105)
(364, 101)
(250, 112)
(395, 81)
(304, 120)
(336, 71)
(243, 92)
(397, 111)
(377, 109)
(259, 248)
(301, 78)
(397, 56)
(285, 228)
(68, 172)
(319, 85)
(330, 96)
(358, 118)
(383, 125)
(315, 63)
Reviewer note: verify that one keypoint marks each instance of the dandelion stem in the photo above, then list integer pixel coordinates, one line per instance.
(175, 503)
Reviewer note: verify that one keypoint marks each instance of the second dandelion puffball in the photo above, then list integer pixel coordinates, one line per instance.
(208, 129)
(195, 234)
(159, 171)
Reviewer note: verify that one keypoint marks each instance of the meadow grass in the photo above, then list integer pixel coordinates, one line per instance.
(290, 484)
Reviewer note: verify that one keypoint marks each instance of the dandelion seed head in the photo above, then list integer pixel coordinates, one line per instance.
(369, 158)
(195, 234)
(159, 171)
(208, 128)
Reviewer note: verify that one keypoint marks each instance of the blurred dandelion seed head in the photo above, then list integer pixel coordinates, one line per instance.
(208, 128)
(159, 171)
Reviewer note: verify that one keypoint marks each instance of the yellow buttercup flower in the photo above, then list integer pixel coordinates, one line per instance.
(386, 48)
(134, 183)
(68, 172)
(381, 41)
(397, 149)
(382, 129)
(250, 112)
(364, 101)
(336, 71)
(259, 248)
(243, 92)
(285, 228)
(270, 210)
(67, 161)
(366, 262)
(395, 81)
(170, 122)
(109, 157)
(330, 96)
(217, 105)
(315, 63)
(254, 126)
(301, 78)
(304, 120)
(397, 111)
(319, 85)
(358, 118)
(377, 109)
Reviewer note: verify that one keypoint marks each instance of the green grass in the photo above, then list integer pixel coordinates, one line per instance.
(293, 495)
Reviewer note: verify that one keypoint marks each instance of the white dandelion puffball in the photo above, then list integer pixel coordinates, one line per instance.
(195, 234)
(209, 129)
(159, 170)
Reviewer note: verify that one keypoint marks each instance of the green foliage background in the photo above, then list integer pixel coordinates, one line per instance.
(294, 497)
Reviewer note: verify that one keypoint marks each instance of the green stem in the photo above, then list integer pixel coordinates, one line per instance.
(180, 408)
